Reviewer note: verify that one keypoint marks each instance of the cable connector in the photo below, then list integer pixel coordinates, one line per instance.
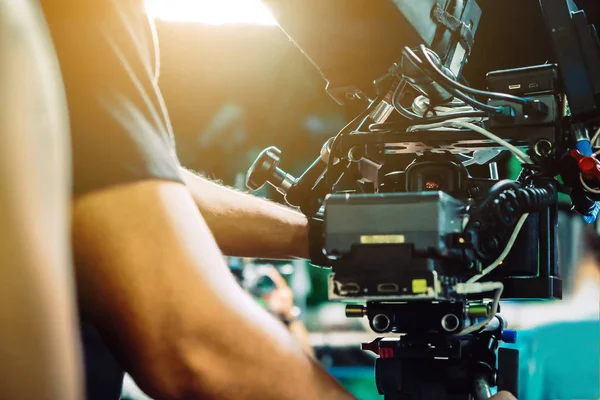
(592, 215)
(467, 288)
(504, 113)
(588, 165)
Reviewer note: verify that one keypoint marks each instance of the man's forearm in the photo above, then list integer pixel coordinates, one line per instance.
(246, 225)
(154, 282)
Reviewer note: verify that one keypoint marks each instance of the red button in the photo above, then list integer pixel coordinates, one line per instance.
(589, 166)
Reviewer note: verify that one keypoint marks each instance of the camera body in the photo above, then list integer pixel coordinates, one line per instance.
(401, 246)
(437, 228)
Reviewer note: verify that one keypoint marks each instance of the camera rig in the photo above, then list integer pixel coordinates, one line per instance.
(415, 240)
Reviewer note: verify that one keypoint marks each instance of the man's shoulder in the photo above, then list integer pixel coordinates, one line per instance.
(120, 129)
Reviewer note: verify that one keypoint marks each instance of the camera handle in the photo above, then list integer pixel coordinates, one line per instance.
(305, 192)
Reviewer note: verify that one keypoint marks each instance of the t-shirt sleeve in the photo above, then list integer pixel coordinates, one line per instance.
(107, 50)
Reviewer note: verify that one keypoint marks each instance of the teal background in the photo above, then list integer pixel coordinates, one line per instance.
(560, 361)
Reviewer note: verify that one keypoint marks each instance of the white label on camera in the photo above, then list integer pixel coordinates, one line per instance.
(382, 239)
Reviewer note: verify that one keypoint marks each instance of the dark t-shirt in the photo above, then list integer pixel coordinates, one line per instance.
(119, 126)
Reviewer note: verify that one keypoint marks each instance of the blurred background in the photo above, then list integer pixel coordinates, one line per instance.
(234, 84)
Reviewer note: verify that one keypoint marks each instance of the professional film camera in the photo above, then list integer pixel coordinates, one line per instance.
(416, 239)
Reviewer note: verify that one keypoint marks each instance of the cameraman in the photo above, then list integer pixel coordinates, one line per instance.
(150, 274)
(148, 235)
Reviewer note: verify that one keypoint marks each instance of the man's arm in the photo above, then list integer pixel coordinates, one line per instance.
(39, 341)
(248, 226)
(152, 277)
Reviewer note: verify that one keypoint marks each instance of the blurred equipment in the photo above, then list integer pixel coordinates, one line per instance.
(266, 282)
(409, 232)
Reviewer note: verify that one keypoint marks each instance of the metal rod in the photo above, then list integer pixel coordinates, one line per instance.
(494, 175)
(553, 250)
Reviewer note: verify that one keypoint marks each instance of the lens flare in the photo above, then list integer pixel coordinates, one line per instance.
(212, 12)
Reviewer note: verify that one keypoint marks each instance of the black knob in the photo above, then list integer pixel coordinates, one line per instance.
(265, 169)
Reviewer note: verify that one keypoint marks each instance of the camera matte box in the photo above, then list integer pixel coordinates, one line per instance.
(355, 42)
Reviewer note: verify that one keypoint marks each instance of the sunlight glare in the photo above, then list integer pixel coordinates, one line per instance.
(212, 12)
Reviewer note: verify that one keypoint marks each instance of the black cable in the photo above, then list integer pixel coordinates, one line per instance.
(464, 80)
(421, 120)
(396, 103)
(454, 104)
(430, 109)
(471, 101)
(498, 188)
(412, 57)
(406, 113)
(458, 86)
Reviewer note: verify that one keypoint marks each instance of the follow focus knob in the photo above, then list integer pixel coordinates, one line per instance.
(266, 170)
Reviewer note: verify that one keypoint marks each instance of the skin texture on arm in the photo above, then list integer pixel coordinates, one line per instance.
(248, 226)
(153, 280)
(39, 340)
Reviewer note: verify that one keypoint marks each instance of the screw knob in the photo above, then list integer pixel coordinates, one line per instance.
(265, 169)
